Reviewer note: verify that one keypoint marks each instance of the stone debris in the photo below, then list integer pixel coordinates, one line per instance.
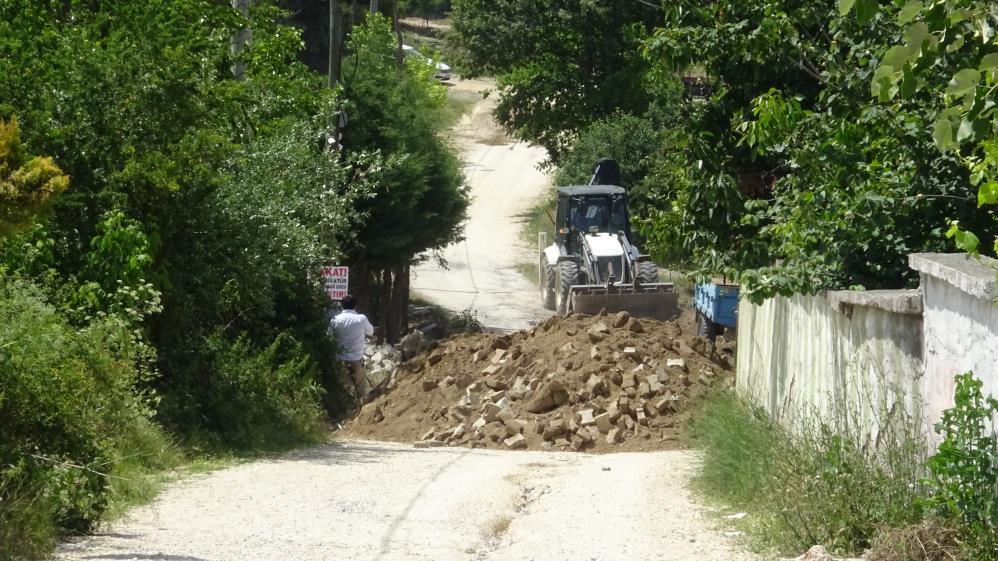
(819, 553)
(581, 383)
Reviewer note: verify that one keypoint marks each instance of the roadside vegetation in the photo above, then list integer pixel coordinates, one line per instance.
(826, 482)
(165, 201)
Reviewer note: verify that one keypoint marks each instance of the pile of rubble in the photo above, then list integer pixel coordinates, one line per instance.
(380, 364)
(597, 383)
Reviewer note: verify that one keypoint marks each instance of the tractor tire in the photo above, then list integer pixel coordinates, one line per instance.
(568, 274)
(648, 272)
(549, 276)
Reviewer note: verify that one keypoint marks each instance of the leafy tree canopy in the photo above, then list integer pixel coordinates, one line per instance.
(560, 66)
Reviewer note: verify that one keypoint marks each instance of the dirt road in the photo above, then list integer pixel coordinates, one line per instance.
(363, 501)
(505, 183)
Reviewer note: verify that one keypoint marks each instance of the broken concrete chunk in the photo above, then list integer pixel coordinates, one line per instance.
(603, 422)
(428, 434)
(491, 413)
(654, 385)
(620, 319)
(428, 444)
(506, 415)
(498, 355)
(613, 436)
(516, 442)
(675, 363)
(517, 425)
(635, 326)
(495, 384)
(554, 429)
(644, 390)
(550, 396)
(586, 417)
(370, 414)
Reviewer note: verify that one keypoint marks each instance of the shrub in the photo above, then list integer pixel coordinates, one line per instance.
(256, 398)
(964, 470)
(68, 406)
(821, 483)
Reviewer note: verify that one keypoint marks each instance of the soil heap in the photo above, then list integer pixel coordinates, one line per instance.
(594, 383)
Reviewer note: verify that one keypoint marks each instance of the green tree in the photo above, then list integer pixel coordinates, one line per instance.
(794, 179)
(27, 187)
(560, 66)
(948, 53)
(420, 201)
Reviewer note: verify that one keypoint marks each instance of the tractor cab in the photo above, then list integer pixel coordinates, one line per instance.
(590, 209)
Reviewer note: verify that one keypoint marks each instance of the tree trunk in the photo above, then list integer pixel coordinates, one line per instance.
(240, 40)
(374, 6)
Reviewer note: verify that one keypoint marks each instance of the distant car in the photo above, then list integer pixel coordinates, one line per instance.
(443, 71)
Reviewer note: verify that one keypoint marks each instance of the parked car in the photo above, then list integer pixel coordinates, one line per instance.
(443, 71)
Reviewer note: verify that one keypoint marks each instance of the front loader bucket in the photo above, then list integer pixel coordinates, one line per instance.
(657, 301)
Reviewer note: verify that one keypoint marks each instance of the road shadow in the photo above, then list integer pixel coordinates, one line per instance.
(354, 452)
(146, 557)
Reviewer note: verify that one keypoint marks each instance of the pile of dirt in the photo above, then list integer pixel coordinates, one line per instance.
(601, 383)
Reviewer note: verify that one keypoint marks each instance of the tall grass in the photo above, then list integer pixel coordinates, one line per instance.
(824, 483)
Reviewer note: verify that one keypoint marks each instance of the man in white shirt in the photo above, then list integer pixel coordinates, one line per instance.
(352, 330)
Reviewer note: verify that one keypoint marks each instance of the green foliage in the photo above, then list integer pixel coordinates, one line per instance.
(70, 413)
(559, 65)
(794, 180)
(964, 470)
(628, 139)
(27, 187)
(257, 398)
(420, 201)
(818, 484)
(949, 52)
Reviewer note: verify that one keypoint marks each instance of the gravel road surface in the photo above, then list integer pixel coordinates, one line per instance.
(505, 183)
(365, 501)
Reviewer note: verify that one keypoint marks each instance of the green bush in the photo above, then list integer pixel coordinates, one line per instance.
(256, 398)
(819, 484)
(964, 470)
(69, 412)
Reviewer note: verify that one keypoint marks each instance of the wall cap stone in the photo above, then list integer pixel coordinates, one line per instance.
(975, 276)
(905, 302)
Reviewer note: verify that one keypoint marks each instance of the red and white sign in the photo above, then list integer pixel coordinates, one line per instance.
(336, 281)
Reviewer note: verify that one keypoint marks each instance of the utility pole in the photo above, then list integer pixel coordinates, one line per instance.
(240, 40)
(374, 6)
(335, 41)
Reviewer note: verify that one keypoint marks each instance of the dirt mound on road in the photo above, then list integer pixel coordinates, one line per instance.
(603, 383)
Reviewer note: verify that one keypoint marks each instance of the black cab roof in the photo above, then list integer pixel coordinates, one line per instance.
(577, 190)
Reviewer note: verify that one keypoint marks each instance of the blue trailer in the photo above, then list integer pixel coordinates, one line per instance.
(717, 308)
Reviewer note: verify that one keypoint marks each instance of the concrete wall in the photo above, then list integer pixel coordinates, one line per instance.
(867, 353)
(834, 353)
(961, 325)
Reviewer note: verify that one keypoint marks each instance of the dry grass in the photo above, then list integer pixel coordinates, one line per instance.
(497, 528)
(931, 540)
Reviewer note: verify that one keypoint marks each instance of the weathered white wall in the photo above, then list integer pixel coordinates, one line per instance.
(861, 353)
(831, 353)
(961, 325)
